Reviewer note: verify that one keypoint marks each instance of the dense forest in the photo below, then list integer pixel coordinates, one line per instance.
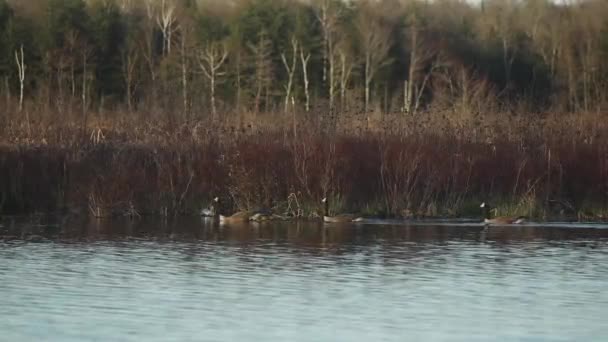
(392, 105)
(199, 58)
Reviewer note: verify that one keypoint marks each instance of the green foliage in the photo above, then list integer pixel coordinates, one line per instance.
(108, 34)
(543, 55)
(306, 27)
(17, 31)
(211, 28)
(6, 15)
(270, 17)
(66, 16)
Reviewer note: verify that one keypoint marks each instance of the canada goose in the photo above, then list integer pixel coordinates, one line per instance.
(238, 217)
(261, 215)
(211, 210)
(499, 219)
(340, 218)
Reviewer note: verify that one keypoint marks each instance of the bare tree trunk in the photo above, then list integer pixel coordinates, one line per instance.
(72, 84)
(148, 51)
(130, 61)
(588, 74)
(368, 79)
(261, 51)
(328, 19)
(73, 43)
(258, 94)
(149, 56)
(554, 55)
(304, 60)
(20, 59)
(84, 87)
(386, 109)
(420, 90)
(420, 56)
(267, 97)
(211, 60)
(49, 84)
(7, 92)
(572, 98)
(184, 62)
(464, 101)
(238, 80)
(345, 72)
(406, 97)
(507, 60)
(332, 79)
(291, 69)
(411, 77)
(166, 21)
(375, 41)
(323, 18)
(342, 79)
(60, 98)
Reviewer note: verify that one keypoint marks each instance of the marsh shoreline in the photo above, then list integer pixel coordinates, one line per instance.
(377, 174)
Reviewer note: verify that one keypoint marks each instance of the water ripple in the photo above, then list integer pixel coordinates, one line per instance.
(382, 287)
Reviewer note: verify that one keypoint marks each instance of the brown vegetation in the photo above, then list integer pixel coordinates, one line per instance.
(427, 165)
(391, 107)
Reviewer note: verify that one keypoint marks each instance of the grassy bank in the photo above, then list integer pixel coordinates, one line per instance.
(389, 165)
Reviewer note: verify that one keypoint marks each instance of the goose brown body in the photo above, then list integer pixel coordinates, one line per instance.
(498, 220)
(340, 218)
(238, 217)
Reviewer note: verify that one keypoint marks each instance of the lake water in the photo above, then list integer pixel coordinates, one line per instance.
(192, 281)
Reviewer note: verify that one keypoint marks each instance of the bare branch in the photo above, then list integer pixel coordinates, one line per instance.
(211, 59)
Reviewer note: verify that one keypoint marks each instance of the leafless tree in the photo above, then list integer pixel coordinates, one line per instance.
(147, 48)
(85, 53)
(186, 56)
(211, 59)
(420, 56)
(21, 67)
(375, 43)
(328, 17)
(291, 69)
(130, 61)
(263, 66)
(346, 68)
(304, 58)
(166, 20)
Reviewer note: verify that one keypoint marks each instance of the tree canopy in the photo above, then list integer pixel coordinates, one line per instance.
(396, 55)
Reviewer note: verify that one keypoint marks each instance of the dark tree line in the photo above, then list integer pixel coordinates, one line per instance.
(188, 58)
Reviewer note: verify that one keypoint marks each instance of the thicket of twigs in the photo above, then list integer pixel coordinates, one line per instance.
(387, 164)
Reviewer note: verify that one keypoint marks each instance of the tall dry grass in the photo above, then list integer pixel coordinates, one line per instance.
(393, 164)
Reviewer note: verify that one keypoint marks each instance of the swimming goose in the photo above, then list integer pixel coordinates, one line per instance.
(261, 215)
(499, 219)
(340, 218)
(238, 217)
(211, 210)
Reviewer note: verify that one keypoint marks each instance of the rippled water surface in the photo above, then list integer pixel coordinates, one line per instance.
(189, 281)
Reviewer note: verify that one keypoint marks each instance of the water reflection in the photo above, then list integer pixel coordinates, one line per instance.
(191, 280)
(303, 233)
